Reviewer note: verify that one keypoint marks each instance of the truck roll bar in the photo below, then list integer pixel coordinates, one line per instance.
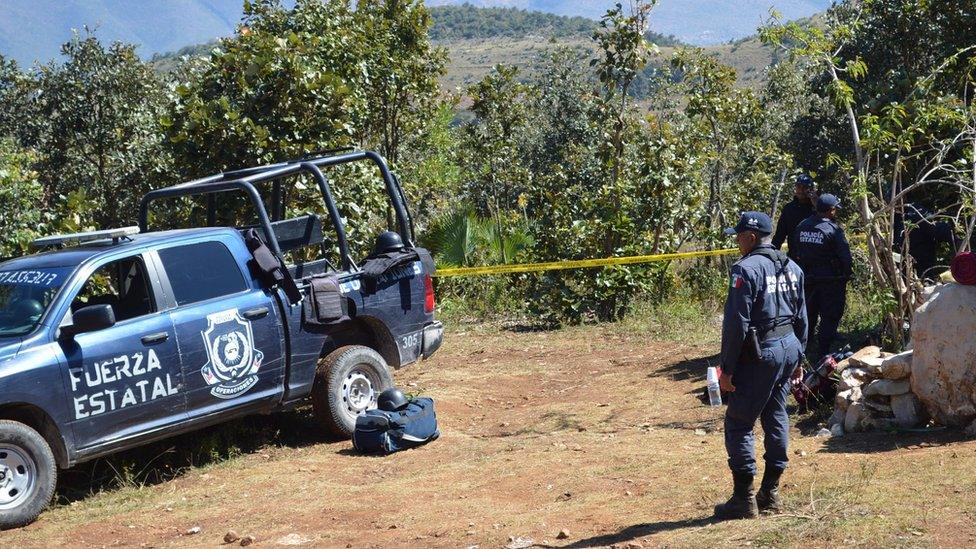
(209, 188)
(246, 179)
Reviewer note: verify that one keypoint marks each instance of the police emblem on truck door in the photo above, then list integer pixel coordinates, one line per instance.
(234, 362)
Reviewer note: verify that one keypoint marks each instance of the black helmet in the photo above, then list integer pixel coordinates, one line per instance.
(804, 180)
(391, 400)
(388, 241)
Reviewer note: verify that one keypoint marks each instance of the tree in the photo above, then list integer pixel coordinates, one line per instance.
(402, 71)
(909, 123)
(318, 77)
(20, 195)
(285, 85)
(15, 90)
(92, 122)
(24, 211)
(499, 178)
(430, 169)
(621, 40)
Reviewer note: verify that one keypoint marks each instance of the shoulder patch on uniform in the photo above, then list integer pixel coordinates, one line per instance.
(737, 280)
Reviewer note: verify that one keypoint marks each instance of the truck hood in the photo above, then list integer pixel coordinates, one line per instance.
(8, 348)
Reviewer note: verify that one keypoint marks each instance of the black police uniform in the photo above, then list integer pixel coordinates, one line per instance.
(825, 257)
(793, 214)
(765, 293)
(924, 237)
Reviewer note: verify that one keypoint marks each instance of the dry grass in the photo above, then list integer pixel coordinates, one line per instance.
(596, 430)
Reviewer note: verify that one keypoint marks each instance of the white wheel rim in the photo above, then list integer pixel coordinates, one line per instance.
(18, 475)
(357, 391)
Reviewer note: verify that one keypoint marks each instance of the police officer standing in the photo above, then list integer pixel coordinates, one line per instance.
(763, 335)
(825, 257)
(800, 208)
(925, 234)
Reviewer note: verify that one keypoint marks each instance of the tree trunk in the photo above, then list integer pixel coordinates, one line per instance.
(779, 190)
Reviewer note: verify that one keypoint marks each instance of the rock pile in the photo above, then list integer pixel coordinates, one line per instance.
(875, 392)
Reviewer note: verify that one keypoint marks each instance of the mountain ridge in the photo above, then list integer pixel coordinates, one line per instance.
(34, 30)
(697, 22)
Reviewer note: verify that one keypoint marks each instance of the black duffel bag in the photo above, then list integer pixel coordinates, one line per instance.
(382, 432)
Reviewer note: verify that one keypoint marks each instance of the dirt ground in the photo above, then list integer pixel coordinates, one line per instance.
(596, 431)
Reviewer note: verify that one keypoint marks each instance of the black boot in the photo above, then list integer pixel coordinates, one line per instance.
(742, 504)
(768, 496)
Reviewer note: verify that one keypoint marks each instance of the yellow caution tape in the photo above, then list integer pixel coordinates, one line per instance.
(577, 264)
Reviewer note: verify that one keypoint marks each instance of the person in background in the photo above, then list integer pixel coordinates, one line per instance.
(823, 253)
(800, 208)
(764, 330)
(926, 234)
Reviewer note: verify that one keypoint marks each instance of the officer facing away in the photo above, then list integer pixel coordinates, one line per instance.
(925, 233)
(763, 334)
(800, 208)
(825, 257)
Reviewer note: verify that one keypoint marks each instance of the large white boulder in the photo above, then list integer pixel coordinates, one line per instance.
(944, 361)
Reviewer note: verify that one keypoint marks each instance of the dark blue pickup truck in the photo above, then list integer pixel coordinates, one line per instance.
(117, 338)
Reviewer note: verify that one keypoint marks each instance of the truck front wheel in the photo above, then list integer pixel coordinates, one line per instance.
(347, 382)
(28, 474)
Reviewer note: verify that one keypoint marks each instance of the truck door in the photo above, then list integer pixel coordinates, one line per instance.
(227, 328)
(126, 379)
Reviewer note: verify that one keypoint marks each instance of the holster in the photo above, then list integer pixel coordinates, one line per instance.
(753, 345)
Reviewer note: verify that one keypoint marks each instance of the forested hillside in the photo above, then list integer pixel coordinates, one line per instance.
(467, 22)
(477, 39)
(609, 147)
(33, 30)
(699, 22)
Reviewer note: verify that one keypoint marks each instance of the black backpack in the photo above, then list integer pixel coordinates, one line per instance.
(268, 267)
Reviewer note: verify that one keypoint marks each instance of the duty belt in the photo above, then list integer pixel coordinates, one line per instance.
(778, 332)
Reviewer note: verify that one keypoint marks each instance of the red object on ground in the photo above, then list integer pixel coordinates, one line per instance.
(964, 268)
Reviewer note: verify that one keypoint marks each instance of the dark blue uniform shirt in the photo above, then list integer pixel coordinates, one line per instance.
(821, 249)
(925, 235)
(763, 295)
(793, 214)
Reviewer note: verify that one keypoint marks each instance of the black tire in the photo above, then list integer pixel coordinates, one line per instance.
(340, 373)
(24, 452)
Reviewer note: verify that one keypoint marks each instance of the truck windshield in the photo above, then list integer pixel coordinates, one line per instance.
(25, 295)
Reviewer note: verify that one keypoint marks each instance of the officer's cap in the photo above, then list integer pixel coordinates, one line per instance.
(752, 221)
(804, 180)
(826, 202)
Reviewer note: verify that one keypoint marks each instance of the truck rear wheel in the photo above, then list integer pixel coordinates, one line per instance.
(347, 382)
(28, 474)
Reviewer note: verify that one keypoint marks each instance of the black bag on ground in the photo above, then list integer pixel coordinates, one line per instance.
(382, 432)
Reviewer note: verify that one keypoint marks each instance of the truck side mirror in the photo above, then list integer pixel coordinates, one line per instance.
(90, 319)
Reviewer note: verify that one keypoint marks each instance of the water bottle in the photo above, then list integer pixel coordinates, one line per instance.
(714, 393)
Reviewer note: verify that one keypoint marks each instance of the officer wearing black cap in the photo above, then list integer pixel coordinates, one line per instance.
(825, 257)
(763, 334)
(800, 208)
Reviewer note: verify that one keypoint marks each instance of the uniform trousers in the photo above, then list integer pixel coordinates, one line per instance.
(761, 388)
